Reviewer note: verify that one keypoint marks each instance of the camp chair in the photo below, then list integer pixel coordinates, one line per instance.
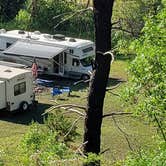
(66, 89)
(55, 91)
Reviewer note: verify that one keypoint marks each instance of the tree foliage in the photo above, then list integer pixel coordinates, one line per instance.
(148, 90)
(9, 9)
(129, 16)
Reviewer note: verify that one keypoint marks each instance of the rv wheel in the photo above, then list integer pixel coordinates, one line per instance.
(85, 77)
(24, 106)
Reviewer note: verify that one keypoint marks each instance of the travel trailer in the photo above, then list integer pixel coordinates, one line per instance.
(54, 54)
(15, 65)
(16, 88)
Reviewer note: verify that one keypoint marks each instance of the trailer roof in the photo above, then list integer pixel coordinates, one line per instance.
(11, 64)
(42, 37)
(32, 48)
(11, 72)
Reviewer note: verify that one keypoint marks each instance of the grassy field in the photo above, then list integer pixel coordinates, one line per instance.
(121, 134)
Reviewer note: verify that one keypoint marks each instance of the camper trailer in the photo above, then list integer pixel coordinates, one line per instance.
(15, 65)
(54, 54)
(16, 88)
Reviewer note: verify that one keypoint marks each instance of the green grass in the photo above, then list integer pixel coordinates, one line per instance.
(138, 133)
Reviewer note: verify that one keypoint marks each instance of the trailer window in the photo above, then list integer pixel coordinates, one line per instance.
(19, 88)
(87, 49)
(65, 58)
(75, 62)
(8, 45)
(86, 61)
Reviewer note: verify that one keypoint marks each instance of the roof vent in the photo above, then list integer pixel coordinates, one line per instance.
(21, 32)
(47, 36)
(72, 40)
(2, 31)
(59, 37)
(37, 33)
(8, 71)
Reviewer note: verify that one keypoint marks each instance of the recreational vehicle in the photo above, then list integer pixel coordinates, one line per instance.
(16, 88)
(54, 54)
(15, 65)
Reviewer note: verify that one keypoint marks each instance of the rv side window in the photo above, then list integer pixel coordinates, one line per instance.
(19, 88)
(8, 45)
(65, 58)
(75, 62)
(71, 51)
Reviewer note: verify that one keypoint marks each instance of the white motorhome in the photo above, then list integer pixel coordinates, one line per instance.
(16, 88)
(54, 54)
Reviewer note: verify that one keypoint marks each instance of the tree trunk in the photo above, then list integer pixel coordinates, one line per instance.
(98, 83)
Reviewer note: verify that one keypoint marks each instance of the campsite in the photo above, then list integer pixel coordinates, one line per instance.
(82, 83)
(13, 127)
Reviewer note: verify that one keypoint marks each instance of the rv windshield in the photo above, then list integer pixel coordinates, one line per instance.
(86, 61)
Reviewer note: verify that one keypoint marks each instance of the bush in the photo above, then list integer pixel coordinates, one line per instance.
(148, 158)
(40, 146)
(92, 160)
(61, 125)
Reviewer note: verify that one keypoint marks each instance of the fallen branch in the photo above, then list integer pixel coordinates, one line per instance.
(117, 114)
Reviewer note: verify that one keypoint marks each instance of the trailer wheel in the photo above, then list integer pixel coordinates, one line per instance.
(24, 106)
(85, 77)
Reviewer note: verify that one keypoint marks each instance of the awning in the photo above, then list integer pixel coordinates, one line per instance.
(34, 49)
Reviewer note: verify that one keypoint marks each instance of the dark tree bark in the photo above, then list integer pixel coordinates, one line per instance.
(98, 83)
(34, 8)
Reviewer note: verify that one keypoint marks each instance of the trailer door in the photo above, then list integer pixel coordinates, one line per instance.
(2, 95)
(61, 64)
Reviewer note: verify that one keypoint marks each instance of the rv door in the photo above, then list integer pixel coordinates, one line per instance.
(59, 64)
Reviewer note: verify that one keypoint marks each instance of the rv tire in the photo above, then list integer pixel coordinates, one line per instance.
(85, 77)
(24, 106)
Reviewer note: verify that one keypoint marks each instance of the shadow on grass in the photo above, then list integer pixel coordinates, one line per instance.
(60, 82)
(27, 117)
(114, 81)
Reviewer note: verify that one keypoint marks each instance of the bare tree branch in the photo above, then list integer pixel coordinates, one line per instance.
(67, 107)
(160, 127)
(79, 149)
(125, 134)
(115, 94)
(74, 123)
(72, 15)
(88, 2)
(114, 87)
(116, 22)
(105, 150)
(117, 114)
(124, 30)
(70, 106)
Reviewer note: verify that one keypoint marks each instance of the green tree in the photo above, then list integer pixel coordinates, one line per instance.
(9, 9)
(148, 72)
(129, 16)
